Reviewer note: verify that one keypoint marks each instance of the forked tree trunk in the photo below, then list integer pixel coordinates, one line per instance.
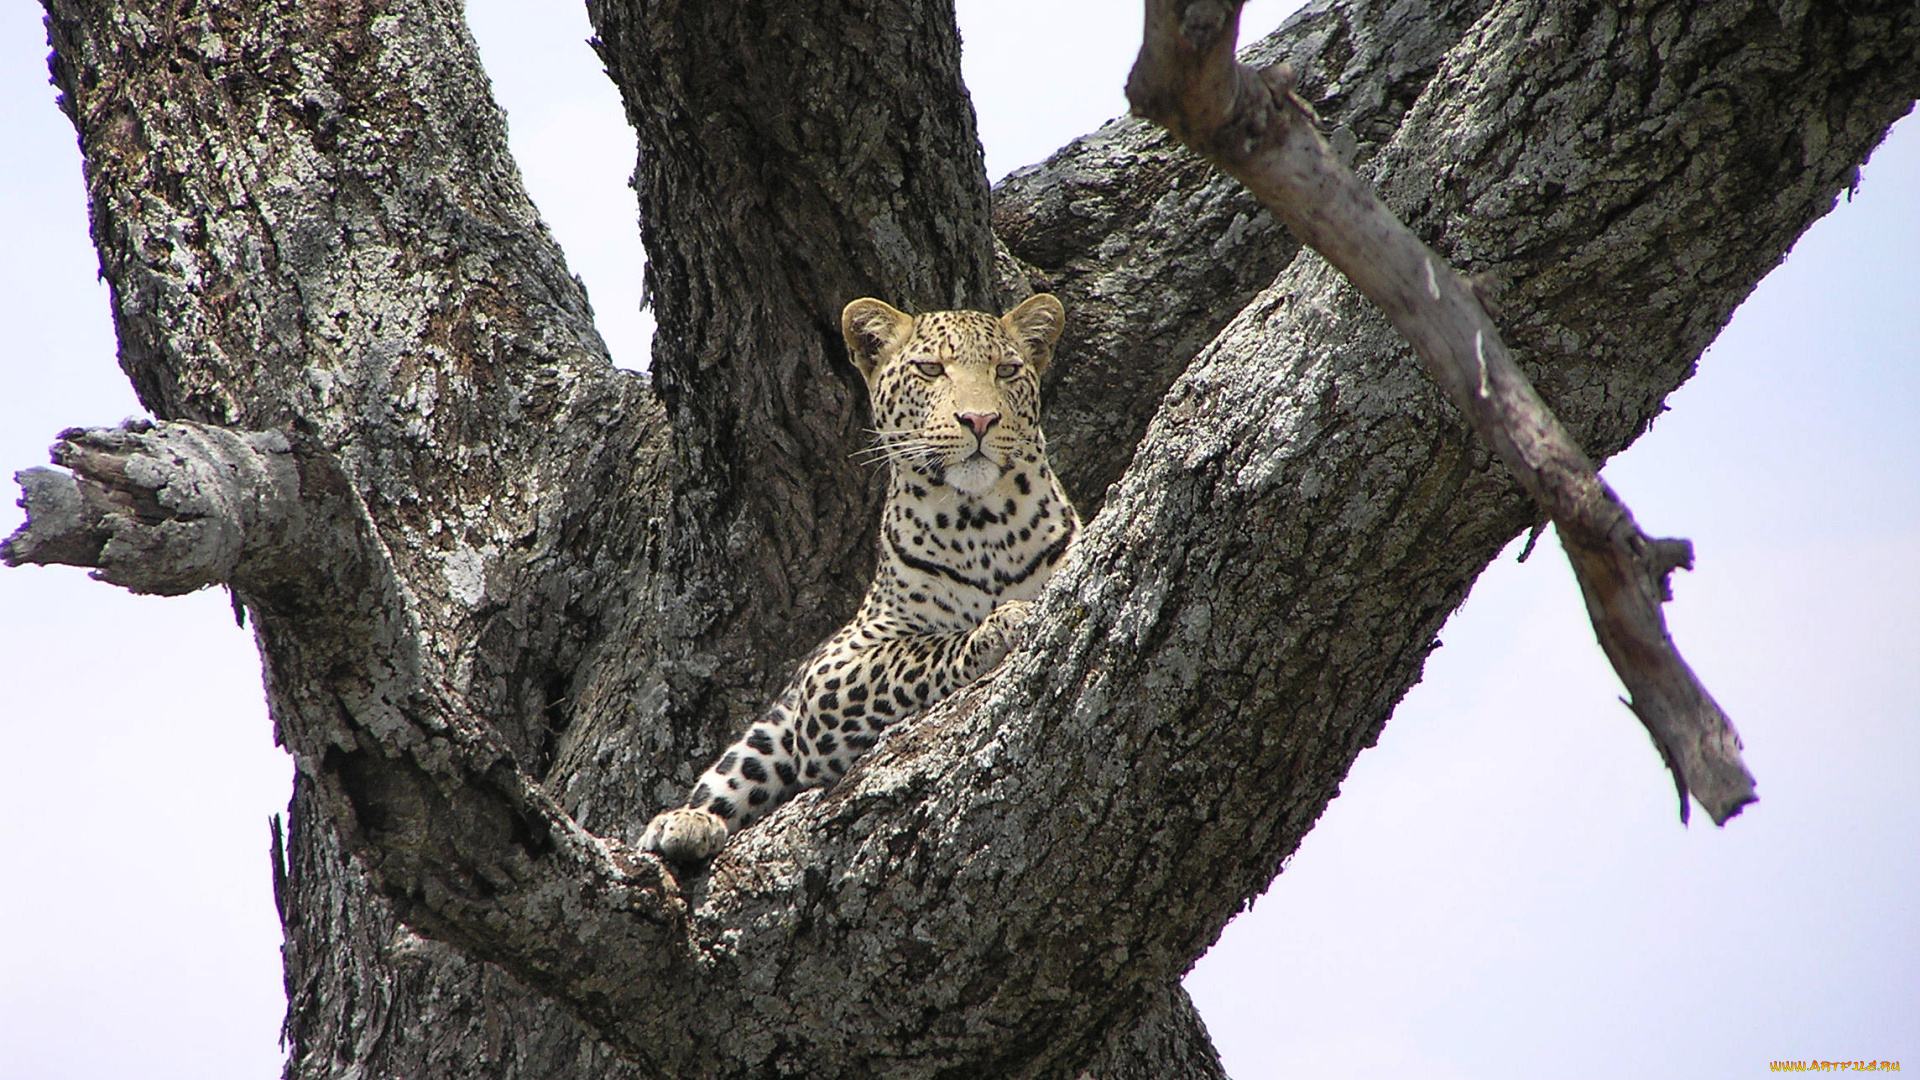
(508, 596)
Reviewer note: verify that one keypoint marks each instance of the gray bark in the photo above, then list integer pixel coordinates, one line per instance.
(514, 597)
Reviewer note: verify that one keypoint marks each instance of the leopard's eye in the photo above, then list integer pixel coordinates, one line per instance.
(932, 369)
(1008, 370)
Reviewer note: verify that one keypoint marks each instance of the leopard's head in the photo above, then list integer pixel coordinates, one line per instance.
(955, 394)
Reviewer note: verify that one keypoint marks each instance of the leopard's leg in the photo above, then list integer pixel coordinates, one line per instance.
(905, 677)
(819, 728)
(991, 641)
(964, 657)
(751, 778)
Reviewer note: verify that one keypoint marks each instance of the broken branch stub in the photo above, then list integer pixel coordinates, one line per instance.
(155, 508)
(1256, 129)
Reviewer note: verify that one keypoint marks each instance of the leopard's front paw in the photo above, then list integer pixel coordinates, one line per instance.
(1010, 617)
(684, 836)
(1002, 630)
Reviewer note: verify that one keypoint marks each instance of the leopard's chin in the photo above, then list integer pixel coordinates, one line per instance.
(974, 476)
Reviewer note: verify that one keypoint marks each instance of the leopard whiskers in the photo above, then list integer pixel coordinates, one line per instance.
(901, 444)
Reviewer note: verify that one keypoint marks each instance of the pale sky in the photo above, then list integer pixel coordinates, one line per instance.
(1502, 891)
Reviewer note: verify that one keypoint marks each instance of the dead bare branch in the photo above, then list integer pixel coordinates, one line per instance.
(1255, 128)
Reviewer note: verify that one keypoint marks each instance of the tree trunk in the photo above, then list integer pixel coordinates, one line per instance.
(510, 599)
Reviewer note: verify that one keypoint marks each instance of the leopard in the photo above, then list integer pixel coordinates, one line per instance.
(975, 523)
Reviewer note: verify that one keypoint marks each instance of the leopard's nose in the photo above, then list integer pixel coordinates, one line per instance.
(978, 421)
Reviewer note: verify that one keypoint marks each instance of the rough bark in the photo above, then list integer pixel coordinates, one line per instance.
(312, 229)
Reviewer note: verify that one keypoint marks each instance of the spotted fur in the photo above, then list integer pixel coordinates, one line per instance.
(975, 523)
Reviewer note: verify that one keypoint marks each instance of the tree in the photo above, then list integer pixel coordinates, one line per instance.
(312, 228)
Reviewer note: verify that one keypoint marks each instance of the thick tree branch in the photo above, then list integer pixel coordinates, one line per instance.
(310, 222)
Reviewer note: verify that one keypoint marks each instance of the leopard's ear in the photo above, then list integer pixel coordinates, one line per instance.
(1036, 325)
(873, 330)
